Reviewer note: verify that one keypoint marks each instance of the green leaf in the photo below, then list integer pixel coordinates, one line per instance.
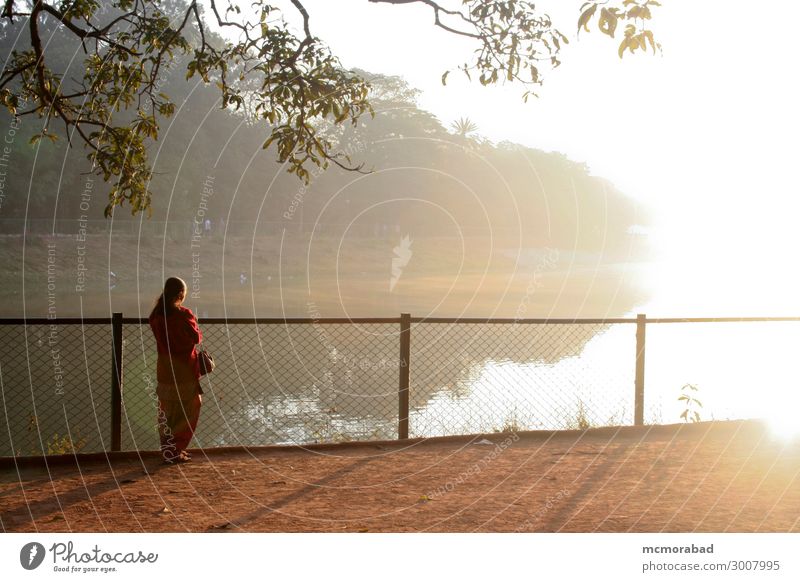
(622, 46)
(648, 34)
(444, 77)
(586, 16)
(608, 22)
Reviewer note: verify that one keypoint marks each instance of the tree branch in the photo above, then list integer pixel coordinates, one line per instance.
(81, 33)
(8, 10)
(308, 38)
(436, 10)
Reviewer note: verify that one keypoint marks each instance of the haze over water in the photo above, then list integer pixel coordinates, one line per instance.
(704, 135)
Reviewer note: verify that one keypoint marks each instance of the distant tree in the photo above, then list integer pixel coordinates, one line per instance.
(464, 126)
(289, 81)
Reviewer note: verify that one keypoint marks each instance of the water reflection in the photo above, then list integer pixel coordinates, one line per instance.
(465, 378)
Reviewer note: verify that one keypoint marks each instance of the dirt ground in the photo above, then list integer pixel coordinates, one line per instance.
(731, 476)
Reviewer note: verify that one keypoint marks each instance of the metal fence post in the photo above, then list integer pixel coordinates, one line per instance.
(405, 357)
(116, 382)
(638, 407)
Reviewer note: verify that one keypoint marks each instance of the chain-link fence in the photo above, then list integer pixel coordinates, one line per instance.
(54, 381)
(307, 381)
(491, 377)
(276, 383)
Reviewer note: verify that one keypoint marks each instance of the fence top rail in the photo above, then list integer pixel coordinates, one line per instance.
(718, 319)
(277, 320)
(387, 320)
(500, 320)
(56, 321)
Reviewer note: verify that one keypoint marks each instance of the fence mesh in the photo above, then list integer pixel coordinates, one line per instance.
(471, 378)
(276, 383)
(55, 383)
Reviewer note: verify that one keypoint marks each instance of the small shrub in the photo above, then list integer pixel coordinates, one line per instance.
(692, 404)
(581, 419)
(57, 445)
(510, 424)
(64, 445)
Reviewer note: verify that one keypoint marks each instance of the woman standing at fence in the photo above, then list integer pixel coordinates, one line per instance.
(177, 371)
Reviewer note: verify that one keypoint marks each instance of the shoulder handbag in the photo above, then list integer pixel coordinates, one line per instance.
(207, 364)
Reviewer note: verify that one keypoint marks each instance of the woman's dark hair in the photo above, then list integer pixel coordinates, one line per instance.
(165, 304)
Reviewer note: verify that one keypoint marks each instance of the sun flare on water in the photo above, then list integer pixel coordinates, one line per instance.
(738, 267)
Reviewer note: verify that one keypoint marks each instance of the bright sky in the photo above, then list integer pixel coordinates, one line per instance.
(705, 133)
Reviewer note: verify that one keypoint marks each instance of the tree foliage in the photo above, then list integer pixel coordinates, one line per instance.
(634, 14)
(464, 126)
(287, 80)
(512, 38)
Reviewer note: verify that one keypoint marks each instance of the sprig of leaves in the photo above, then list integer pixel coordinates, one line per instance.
(513, 39)
(692, 403)
(634, 14)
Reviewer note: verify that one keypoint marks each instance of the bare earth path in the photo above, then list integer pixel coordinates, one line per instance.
(730, 476)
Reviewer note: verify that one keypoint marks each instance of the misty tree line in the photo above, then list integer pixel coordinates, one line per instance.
(460, 171)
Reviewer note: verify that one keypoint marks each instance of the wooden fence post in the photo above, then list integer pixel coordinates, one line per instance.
(638, 407)
(405, 357)
(116, 382)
